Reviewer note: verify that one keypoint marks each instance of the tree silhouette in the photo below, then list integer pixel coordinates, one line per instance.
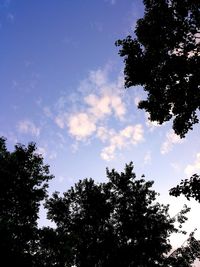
(185, 255)
(23, 185)
(190, 188)
(118, 223)
(164, 58)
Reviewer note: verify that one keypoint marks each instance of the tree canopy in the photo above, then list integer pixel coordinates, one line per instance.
(190, 188)
(115, 223)
(23, 185)
(164, 58)
(118, 223)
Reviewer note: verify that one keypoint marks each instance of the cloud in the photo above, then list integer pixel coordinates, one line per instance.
(97, 102)
(98, 106)
(105, 105)
(99, 99)
(28, 127)
(104, 134)
(130, 135)
(193, 168)
(61, 120)
(81, 126)
(170, 141)
(98, 77)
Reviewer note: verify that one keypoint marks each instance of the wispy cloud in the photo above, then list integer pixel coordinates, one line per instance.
(61, 120)
(28, 127)
(130, 135)
(171, 140)
(193, 168)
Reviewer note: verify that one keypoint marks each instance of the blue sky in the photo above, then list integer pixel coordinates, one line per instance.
(62, 87)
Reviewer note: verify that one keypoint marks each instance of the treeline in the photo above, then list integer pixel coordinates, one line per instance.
(116, 223)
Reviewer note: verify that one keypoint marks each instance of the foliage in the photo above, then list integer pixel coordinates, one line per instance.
(118, 223)
(23, 186)
(190, 188)
(164, 58)
(185, 255)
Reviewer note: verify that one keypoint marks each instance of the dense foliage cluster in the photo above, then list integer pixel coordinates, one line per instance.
(23, 185)
(164, 58)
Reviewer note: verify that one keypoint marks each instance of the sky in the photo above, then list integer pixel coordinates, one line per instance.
(62, 87)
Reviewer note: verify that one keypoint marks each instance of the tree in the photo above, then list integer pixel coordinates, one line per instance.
(118, 223)
(185, 255)
(164, 58)
(23, 185)
(190, 188)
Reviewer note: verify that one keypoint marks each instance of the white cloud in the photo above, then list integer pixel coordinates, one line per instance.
(99, 100)
(193, 168)
(108, 153)
(104, 134)
(104, 105)
(28, 127)
(170, 141)
(98, 106)
(130, 135)
(81, 126)
(118, 107)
